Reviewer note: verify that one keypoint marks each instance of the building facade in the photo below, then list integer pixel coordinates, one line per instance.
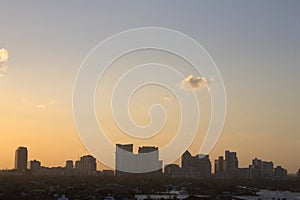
(88, 165)
(35, 165)
(21, 159)
(144, 162)
(231, 164)
(69, 164)
(220, 167)
(198, 166)
(261, 169)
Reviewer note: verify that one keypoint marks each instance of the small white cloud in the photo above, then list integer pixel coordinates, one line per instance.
(194, 83)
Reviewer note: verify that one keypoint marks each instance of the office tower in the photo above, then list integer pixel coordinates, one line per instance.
(147, 160)
(267, 169)
(231, 164)
(124, 160)
(195, 166)
(231, 161)
(261, 169)
(219, 165)
(77, 164)
(87, 165)
(35, 165)
(69, 164)
(21, 158)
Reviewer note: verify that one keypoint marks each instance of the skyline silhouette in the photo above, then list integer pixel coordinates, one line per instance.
(221, 167)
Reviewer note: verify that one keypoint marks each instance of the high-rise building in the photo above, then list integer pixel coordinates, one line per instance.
(219, 165)
(88, 165)
(261, 169)
(231, 164)
(69, 164)
(21, 159)
(146, 161)
(77, 164)
(198, 166)
(124, 159)
(231, 161)
(268, 169)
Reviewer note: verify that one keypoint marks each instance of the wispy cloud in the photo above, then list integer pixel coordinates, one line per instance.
(3, 60)
(194, 83)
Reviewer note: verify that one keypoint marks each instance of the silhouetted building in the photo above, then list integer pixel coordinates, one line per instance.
(35, 165)
(88, 164)
(220, 167)
(198, 166)
(69, 164)
(77, 164)
(280, 173)
(172, 170)
(261, 169)
(21, 159)
(298, 173)
(231, 164)
(146, 161)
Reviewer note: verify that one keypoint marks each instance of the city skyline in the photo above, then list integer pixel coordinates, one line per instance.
(254, 44)
(127, 162)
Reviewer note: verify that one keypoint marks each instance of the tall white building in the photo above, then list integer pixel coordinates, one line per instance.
(147, 159)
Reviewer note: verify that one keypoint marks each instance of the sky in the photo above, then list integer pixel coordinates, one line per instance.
(255, 45)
